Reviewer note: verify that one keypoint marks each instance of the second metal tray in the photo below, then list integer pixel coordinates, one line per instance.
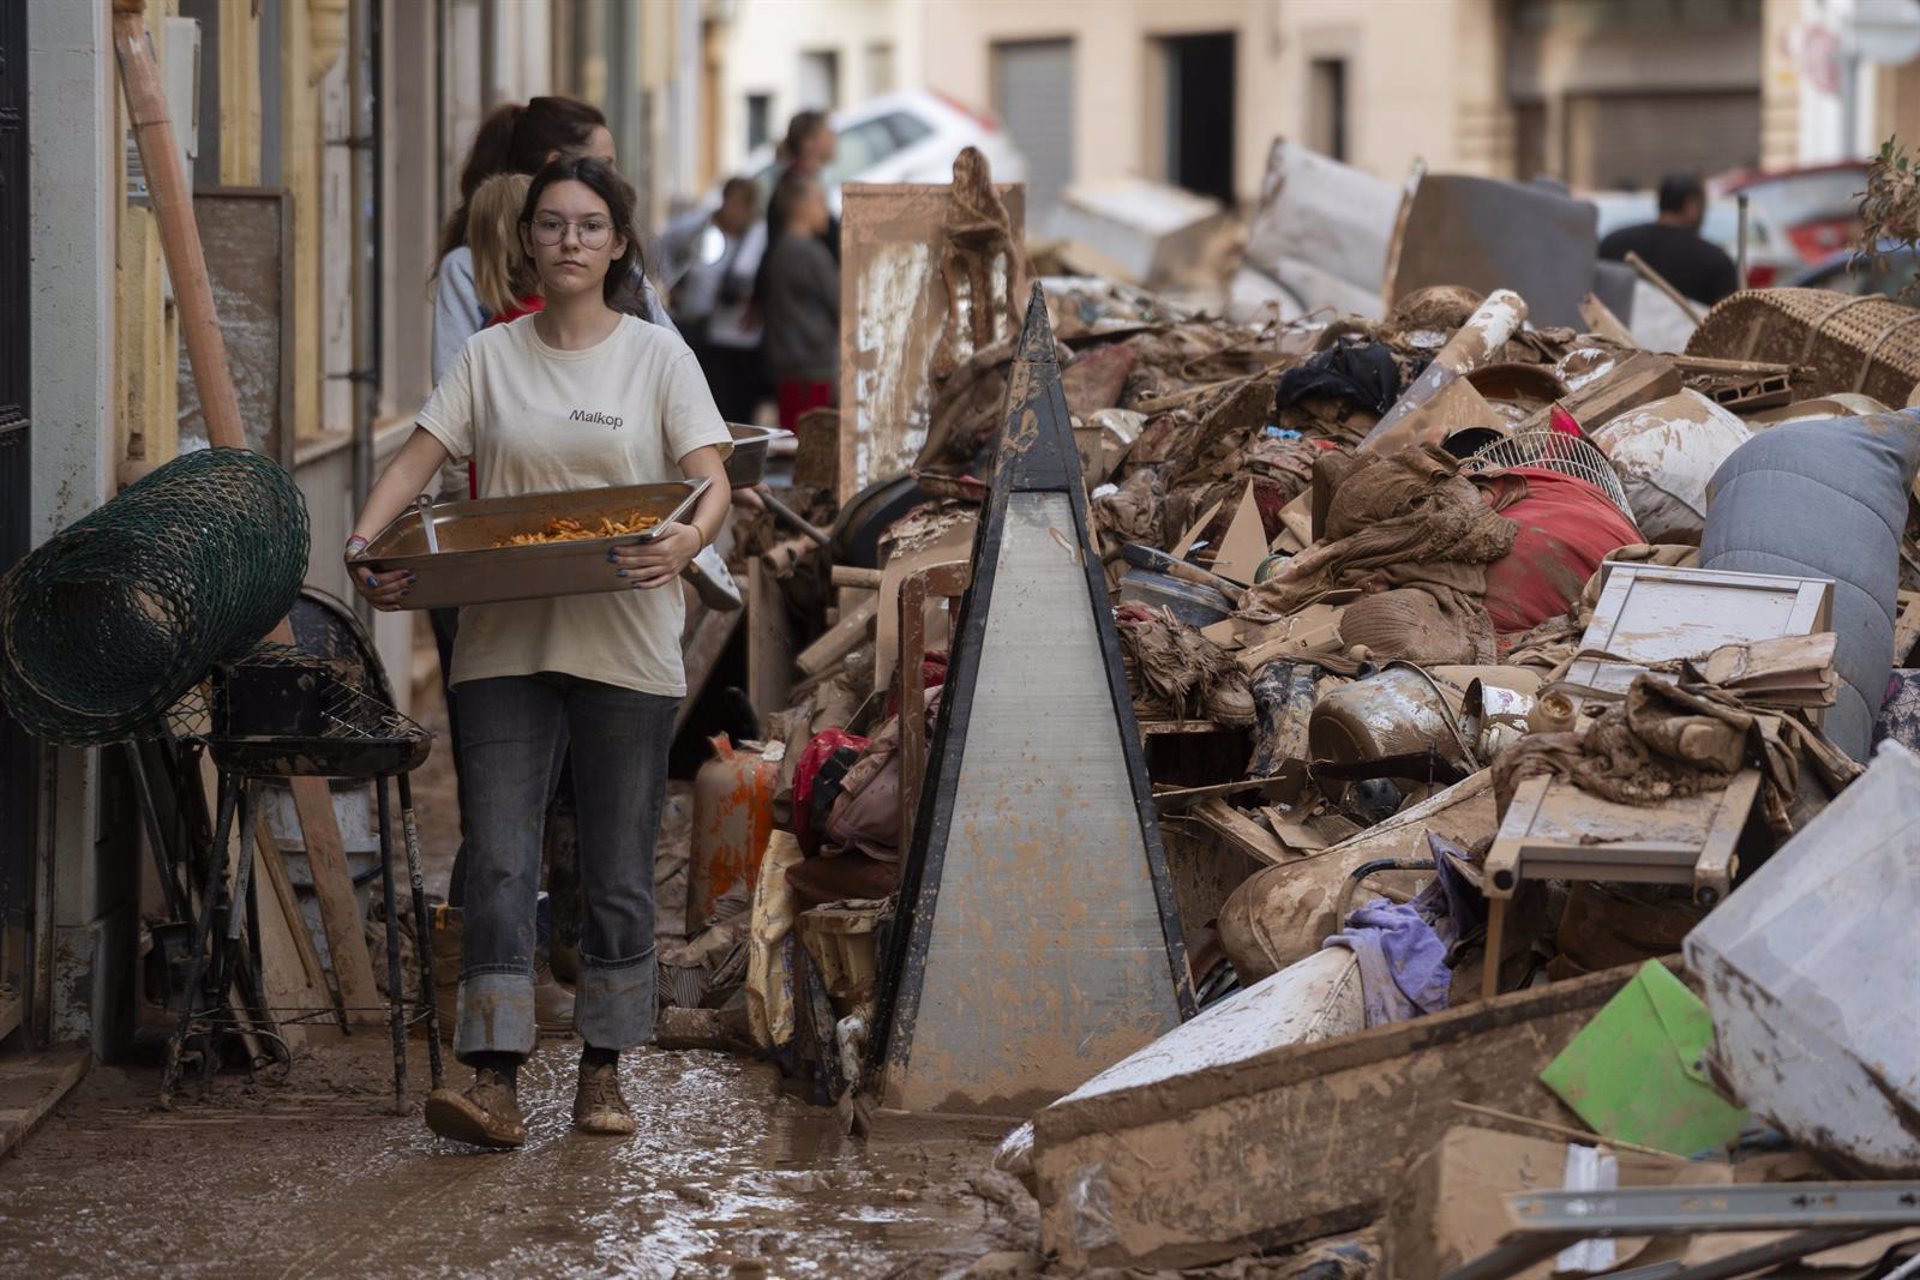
(470, 569)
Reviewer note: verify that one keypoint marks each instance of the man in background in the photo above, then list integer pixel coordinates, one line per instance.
(1672, 244)
(710, 302)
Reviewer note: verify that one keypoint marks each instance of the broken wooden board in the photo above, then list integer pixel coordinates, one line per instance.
(1038, 940)
(769, 640)
(1290, 1143)
(294, 980)
(893, 309)
(339, 907)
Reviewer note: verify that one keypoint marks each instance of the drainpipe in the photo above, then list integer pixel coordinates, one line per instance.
(367, 214)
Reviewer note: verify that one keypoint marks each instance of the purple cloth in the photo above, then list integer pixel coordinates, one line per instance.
(1403, 963)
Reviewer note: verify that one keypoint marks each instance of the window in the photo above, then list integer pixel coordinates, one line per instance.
(879, 69)
(819, 80)
(759, 119)
(1327, 107)
(907, 129)
(862, 146)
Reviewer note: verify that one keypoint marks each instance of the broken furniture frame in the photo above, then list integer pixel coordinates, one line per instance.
(947, 582)
(1697, 848)
(1824, 1214)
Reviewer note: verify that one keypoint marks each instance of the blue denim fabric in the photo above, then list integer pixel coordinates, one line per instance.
(509, 728)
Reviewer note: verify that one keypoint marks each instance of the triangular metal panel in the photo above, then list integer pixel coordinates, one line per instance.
(1037, 941)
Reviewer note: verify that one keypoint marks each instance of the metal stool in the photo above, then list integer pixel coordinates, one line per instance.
(280, 713)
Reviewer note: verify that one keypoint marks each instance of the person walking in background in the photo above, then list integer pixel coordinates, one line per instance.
(710, 301)
(801, 300)
(504, 277)
(1672, 244)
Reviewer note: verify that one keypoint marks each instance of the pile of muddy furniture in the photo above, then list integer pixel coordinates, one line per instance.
(1425, 787)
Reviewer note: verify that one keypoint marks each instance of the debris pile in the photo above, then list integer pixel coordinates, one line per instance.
(1404, 781)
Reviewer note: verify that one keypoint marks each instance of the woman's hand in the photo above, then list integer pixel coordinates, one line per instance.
(658, 562)
(383, 588)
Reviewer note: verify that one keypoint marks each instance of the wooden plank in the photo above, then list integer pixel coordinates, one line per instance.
(1906, 629)
(291, 972)
(1165, 1165)
(769, 641)
(845, 636)
(1601, 321)
(339, 906)
(1240, 831)
(893, 308)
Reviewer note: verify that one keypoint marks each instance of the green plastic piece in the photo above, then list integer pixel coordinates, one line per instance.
(1637, 1072)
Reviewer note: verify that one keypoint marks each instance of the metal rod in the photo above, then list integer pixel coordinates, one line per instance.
(784, 512)
(1742, 1263)
(177, 905)
(1647, 1211)
(1742, 263)
(422, 931)
(202, 927)
(396, 997)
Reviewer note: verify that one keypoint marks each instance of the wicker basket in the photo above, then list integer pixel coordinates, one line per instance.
(1835, 342)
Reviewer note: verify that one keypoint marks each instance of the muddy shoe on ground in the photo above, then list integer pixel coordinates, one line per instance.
(598, 1107)
(486, 1114)
(552, 1003)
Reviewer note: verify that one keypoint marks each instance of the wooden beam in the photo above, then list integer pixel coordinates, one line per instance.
(290, 963)
(340, 917)
(845, 636)
(769, 641)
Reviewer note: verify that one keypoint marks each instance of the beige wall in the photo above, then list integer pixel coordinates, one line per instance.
(1422, 75)
(765, 39)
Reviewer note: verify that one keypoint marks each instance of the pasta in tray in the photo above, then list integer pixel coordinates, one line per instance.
(567, 529)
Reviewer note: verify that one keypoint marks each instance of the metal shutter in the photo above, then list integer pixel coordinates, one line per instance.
(1033, 96)
(1632, 140)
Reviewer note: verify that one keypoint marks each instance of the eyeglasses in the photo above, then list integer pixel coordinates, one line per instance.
(594, 232)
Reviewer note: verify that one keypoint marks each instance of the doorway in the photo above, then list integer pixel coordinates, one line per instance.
(1201, 94)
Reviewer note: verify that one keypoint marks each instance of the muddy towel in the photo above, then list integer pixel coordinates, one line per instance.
(1415, 534)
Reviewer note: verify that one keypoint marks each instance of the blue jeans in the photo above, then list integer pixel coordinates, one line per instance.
(509, 729)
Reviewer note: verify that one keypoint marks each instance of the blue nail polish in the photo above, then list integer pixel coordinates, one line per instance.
(621, 572)
(372, 581)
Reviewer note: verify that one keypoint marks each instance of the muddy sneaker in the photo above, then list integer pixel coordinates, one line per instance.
(598, 1106)
(486, 1115)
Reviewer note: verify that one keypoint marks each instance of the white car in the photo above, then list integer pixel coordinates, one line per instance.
(911, 136)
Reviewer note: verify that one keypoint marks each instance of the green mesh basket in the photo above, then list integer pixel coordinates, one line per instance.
(110, 622)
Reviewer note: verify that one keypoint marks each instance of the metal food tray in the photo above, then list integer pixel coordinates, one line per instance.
(747, 464)
(469, 569)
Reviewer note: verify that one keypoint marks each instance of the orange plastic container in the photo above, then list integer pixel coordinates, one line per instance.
(732, 822)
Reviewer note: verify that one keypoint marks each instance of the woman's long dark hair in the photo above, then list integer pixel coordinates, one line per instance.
(518, 138)
(599, 177)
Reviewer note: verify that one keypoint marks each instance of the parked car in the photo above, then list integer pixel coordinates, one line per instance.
(1817, 208)
(1852, 271)
(911, 136)
(1770, 257)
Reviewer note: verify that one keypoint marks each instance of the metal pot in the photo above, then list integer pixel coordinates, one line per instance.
(1397, 712)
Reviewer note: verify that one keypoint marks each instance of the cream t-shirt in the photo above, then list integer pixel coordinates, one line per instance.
(540, 420)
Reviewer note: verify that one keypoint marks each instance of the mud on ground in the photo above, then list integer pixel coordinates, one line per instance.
(316, 1177)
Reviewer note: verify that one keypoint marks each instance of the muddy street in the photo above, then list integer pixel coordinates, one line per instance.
(727, 1176)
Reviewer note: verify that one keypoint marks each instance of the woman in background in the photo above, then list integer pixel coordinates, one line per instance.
(802, 300)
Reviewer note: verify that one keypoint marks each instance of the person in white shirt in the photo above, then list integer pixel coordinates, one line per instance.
(575, 396)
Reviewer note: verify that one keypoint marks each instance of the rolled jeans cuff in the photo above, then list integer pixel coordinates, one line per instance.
(614, 1001)
(495, 1015)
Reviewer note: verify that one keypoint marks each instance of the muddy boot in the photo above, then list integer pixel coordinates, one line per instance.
(598, 1106)
(486, 1114)
(552, 1003)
